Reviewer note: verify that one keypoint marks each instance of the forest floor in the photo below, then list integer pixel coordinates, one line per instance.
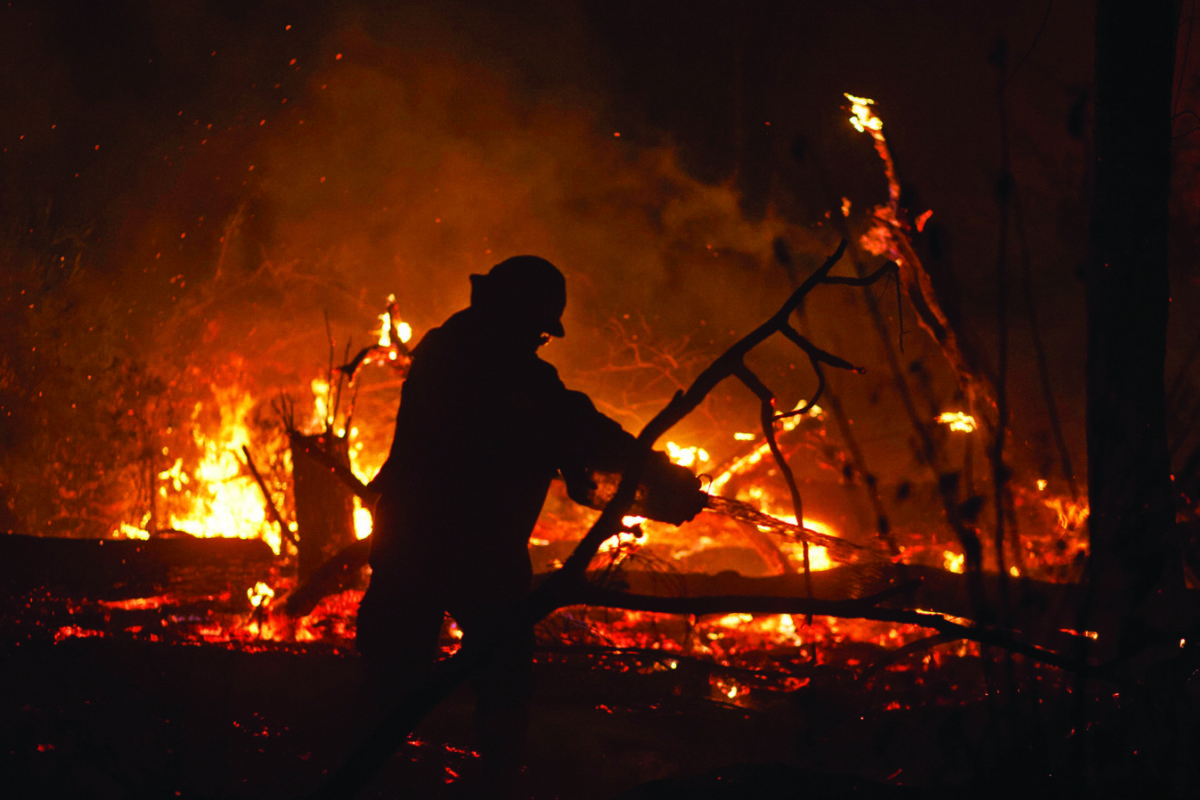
(106, 718)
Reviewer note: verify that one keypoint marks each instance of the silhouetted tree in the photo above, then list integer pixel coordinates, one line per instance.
(1129, 485)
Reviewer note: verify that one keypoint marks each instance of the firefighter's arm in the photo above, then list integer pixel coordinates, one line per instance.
(601, 450)
(672, 493)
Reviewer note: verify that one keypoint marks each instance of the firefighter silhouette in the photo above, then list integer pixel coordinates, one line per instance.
(484, 425)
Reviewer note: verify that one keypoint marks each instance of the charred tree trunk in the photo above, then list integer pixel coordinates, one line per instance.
(1129, 486)
(324, 504)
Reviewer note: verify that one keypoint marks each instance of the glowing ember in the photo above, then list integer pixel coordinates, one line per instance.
(387, 322)
(622, 540)
(954, 562)
(127, 531)
(259, 594)
(1072, 514)
(735, 620)
(1089, 634)
(864, 118)
(135, 603)
(957, 421)
(1042, 484)
(74, 632)
(728, 689)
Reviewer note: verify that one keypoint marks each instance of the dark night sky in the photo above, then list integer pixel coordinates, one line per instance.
(368, 147)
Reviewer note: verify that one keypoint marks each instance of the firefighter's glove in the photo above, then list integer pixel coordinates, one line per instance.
(672, 492)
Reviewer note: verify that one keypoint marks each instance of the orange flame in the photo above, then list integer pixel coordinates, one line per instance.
(958, 421)
(219, 497)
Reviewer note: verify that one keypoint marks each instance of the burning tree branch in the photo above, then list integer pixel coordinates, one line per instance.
(890, 236)
(272, 511)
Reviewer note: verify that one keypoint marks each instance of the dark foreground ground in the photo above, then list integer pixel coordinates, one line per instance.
(106, 718)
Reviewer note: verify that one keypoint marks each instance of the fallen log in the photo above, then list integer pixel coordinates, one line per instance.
(118, 568)
(928, 597)
(932, 589)
(336, 575)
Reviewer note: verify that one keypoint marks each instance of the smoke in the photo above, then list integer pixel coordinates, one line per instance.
(258, 186)
(417, 168)
(417, 155)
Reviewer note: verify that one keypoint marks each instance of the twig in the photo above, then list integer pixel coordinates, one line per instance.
(968, 365)
(841, 549)
(332, 398)
(858, 459)
(767, 417)
(272, 511)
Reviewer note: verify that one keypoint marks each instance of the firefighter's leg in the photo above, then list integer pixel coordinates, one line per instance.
(398, 625)
(504, 686)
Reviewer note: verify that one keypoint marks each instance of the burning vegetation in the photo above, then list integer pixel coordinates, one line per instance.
(219, 506)
(267, 554)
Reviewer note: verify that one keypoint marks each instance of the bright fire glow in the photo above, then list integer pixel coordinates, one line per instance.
(403, 329)
(259, 594)
(818, 557)
(751, 459)
(127, 531)
(322, 418)
(362, 520)
(864, 118)
(622, 539)
(954, 562)
(957, 421)
(686, 456)
(1071, 513)
(221, 497)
